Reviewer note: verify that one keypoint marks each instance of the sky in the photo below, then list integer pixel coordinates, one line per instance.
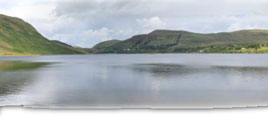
(87, 22)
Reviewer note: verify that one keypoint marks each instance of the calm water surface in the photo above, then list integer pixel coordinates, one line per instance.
(135, 81)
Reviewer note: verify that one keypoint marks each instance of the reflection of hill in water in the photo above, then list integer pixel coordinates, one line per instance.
(165, 70)
(17, 65)
(14, 75)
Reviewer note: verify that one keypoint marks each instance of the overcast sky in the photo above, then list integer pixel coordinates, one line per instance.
(87, 22)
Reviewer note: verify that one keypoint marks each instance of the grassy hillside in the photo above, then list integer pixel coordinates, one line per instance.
(166, 41)
(104, 47)
(20, 38)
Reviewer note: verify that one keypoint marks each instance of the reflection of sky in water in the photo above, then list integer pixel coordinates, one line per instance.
(138, 81)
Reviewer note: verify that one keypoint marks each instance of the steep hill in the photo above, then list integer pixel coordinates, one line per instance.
(18, 37)
(167, 41)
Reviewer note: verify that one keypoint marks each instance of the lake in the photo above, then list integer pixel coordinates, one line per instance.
(135, 81)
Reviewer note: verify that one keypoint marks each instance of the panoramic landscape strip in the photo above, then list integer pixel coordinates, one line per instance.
(19, 38)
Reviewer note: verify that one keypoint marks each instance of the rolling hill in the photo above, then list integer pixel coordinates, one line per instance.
(168, 41)
(18, 37)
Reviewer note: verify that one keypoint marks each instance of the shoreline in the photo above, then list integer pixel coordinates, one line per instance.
(16, 55)
(29, 55)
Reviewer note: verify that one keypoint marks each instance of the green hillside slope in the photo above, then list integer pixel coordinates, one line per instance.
(20, 38)
(166, 41)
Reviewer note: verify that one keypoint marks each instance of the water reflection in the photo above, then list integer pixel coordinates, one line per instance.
(19, 65)
(135, 81)
(14, 75)
(168, 70)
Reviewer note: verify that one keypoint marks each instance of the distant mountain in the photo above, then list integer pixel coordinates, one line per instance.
(18, 37)
(62, 43)
(167, 41)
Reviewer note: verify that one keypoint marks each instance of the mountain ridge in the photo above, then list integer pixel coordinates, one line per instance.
(180, 41)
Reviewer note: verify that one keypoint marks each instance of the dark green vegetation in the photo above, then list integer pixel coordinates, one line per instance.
(18, 38)
(166, 41)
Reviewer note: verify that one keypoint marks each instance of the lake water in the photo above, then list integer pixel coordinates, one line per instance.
(135, 81)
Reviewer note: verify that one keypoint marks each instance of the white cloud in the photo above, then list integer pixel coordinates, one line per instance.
(102, 33)
(84, 38)
(153, 22)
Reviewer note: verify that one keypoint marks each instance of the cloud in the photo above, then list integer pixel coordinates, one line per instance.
(83, 38)
(87, 22)
(153, 22)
